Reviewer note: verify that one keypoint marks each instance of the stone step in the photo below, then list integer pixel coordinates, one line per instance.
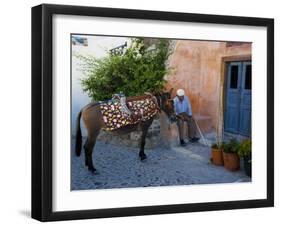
(170, 134)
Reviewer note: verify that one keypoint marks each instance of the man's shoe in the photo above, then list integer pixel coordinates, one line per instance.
(183, 143)
(194, 139)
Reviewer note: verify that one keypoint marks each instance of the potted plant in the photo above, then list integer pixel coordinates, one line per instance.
(230, 157)
(216, 153)
(245, 151)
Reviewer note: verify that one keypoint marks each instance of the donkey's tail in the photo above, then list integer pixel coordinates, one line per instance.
(78, 142)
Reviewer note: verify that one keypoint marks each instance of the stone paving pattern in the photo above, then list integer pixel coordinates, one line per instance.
(120, 167)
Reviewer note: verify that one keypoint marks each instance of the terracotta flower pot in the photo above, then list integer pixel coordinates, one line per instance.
(231, 161)
(217, 157)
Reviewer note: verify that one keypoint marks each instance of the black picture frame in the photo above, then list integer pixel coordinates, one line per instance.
(42, 111)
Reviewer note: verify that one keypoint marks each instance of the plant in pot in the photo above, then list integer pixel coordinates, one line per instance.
(245, 151)
(216, 153)
(230, 157)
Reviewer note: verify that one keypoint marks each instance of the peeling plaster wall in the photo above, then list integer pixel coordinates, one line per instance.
(196, 66)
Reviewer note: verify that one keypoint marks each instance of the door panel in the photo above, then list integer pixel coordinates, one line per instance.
(238, 98)
(233, 97)
(246, 100)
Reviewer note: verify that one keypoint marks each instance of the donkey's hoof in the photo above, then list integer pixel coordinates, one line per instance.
(93, 170)
(143, 157)
(96, 172)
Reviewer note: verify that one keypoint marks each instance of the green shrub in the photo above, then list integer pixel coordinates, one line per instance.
(215, 146)
(136, 71)
(245, 148)
(231, 146)
(218, 146)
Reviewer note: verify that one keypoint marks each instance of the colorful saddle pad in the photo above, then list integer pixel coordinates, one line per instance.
(114, 118)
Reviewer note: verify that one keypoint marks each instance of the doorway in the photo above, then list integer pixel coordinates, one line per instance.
(238, 100)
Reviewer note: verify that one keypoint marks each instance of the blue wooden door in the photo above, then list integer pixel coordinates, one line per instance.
(238, 98)
(246, 100)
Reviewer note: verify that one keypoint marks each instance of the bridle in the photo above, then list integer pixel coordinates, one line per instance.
(157, 99)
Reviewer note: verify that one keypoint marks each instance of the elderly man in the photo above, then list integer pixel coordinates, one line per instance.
(184, 114)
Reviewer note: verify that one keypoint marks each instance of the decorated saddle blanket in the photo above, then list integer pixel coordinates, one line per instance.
(114, 116)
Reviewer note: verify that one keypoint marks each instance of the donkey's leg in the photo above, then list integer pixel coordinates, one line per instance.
(89, 152)
(89, 147)
(145, 126)
(93, 122)
(86, 150)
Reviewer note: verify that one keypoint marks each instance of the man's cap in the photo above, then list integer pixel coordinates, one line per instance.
(180, 92)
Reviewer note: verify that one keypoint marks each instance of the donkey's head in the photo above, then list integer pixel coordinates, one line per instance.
(166, 104)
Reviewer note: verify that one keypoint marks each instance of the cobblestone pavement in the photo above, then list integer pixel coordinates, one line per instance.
(120, 167)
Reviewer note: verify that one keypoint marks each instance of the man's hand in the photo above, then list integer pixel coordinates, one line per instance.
(180, 117)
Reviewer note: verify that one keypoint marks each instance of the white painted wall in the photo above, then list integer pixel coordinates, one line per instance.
(15, 114)
(98, 46)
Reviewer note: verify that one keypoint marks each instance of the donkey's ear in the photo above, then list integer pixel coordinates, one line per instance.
(171, 101)
(160, 93)
(171, 90)
(156, 93)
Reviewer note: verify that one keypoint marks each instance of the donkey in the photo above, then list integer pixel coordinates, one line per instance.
(93, 121)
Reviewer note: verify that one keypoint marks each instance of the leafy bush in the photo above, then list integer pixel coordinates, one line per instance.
(214, 146)
(245, 148)
(231, 146)
(218, 147)
(136, 71)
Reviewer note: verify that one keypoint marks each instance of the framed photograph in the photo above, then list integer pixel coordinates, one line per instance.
(140, 112)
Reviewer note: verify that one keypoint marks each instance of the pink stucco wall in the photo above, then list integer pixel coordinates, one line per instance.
(197, 67)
